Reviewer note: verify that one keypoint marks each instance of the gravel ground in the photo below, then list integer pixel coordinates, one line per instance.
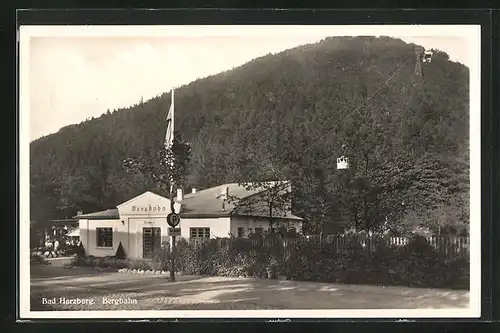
(121, 291)
(96, 290)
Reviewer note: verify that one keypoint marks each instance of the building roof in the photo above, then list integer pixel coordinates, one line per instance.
(202, 204)
(286, 217)
(139, 196)
(109, 214)
(64, 220)
(74, 233)
(208, 202)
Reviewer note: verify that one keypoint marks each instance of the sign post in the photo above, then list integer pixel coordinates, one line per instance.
(173, 220)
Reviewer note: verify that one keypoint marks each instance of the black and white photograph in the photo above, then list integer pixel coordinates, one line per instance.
(250, 171)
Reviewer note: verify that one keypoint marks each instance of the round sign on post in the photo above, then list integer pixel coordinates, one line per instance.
(173, 220)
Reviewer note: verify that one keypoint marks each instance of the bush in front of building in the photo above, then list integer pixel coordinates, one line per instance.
(76, 250)
(38, 259)
(224, 258)
(120, 252)
(80, 251)
(417, 264)
(160, 261)
(100, 262)
(138, 264)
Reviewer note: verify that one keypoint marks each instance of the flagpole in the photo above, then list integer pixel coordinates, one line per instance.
(172, 106)
(172, 195)
(173, 117)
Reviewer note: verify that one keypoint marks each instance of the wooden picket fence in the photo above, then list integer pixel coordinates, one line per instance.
(451, 247)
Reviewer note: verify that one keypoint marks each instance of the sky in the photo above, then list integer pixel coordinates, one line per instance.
(73, 77)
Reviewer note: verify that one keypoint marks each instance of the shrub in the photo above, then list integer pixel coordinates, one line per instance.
(106, 262)
(417, 264)
(160, 258)
(103, 263)
(38, 259)
(120, 263)
(72, 249)
(80, 251)
(458, 274)
(83, 261)
(380, 268)
(347, 260)
(140, 264)
(120, 252)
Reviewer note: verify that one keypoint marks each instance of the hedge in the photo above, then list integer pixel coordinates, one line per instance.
(416, 264)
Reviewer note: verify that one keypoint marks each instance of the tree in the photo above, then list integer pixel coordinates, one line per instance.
(271, 200)
(266, 172)
(166, 168)
(162, 166)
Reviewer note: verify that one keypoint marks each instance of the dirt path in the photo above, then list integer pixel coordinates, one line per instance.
(118, 291)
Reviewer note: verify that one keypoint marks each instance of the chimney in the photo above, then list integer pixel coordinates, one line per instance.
(225, 192)
(79, 213)
(179, 194)
(193, 190)
(224, 196)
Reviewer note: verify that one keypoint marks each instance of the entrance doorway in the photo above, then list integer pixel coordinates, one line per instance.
(151, 241)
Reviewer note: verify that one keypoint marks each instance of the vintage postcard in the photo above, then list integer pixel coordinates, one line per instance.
(250, 171)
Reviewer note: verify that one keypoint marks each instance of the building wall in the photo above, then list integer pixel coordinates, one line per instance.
(252, 223)
(130, 232)
(144, 211)
(88, 236)
(239, 222)
(82, 224)
(219, 227)
(137, 224)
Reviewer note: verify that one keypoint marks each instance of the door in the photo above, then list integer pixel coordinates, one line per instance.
(151, 241)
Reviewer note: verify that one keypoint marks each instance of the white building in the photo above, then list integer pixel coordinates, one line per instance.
(140, 223)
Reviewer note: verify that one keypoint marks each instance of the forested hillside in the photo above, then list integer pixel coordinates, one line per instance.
(406, 136)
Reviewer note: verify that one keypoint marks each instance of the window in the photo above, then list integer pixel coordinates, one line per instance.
(199, 235)
(104, 237)
(151, 241)
(241, 232)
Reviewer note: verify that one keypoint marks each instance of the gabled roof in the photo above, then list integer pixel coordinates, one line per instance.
(206, 203)
(287, 216)
(140, 196)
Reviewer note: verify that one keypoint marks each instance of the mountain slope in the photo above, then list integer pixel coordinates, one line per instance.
(305, 102)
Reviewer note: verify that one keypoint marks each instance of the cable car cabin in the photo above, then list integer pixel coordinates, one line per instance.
(342, 163)
(427, 57)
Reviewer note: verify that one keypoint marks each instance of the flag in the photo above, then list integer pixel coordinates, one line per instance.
(169, 136)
